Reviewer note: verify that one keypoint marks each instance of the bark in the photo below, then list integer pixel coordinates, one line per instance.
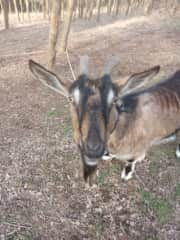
(44, 8)
(47, 8)
(5, 8)
(99, 10)
(90, 12)
(118, 2)
(16, 10)
(27, 10)
(53, 32)
(62, 9)
(109, 6)
(22, 9)
(67, 25)
(128, 7)
(81, 8)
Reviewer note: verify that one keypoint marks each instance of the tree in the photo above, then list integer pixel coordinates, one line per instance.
(67, 25)
(53, 32)
(16, 10)
(109, 6)
(99, 10)
(118, 2)
(5, 8)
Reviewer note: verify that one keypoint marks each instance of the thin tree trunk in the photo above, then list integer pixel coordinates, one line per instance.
(53, 32)
(99, 10)
(22, 9)
(44, 9)
(10, 8)
(16, 10)
(47, 8)
(90, 12)
(109, 7)
(5, 8)
(87, 7)
(62, 9)
(67, 25)
(118, 2)
(128, 7)
(28, 10)
(81, 8)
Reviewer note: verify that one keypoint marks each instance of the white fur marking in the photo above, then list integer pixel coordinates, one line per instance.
(106, 157)
(77, 95)
(110, 96)
(128, 176)
(177, 152)
(90, 162)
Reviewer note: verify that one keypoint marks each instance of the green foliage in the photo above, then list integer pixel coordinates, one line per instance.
(160, 207)
(68, 130)
(100, 180)
(52, 113)
(177, 190)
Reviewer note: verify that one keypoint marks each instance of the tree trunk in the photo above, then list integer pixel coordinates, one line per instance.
(81, 8)
(47, 8)
(118, 2)
(28, 10)
(109, 7)
(99, 9)
(44, 9)
(16, 10)
(5, 8)
(53, 32)
(22, 9)
(90, 12)
(67, 25)
(128, 7)
(87, 8)
(62, 9)
(10, 7)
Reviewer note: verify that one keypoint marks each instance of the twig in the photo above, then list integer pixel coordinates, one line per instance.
(70, 66)
(17, 225)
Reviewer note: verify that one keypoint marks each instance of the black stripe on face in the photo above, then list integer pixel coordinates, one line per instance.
(88, 171)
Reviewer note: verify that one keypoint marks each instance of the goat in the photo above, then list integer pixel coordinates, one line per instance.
(124, 120)
(89, 100)
(142, 116)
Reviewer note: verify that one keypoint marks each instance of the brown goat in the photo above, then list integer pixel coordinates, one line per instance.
(88, 108)
(141, 117)
(123, 120)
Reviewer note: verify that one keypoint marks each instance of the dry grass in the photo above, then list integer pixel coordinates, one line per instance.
(42, 194)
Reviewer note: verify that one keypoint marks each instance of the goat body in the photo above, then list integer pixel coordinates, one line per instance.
(148, 118)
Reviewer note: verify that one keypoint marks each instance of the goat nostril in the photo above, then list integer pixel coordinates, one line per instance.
(95, 149)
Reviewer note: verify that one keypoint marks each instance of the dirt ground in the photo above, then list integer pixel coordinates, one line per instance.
(42, 193)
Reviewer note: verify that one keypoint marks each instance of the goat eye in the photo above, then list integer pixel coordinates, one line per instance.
(71, 99)
(120, 107)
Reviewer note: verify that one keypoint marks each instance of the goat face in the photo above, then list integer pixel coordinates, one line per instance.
(88, 109)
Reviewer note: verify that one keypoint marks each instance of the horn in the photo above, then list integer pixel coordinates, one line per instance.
(110, 64)
(84, 65)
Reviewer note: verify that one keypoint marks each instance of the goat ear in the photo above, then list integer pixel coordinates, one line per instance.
(139, 81)
(48, 78)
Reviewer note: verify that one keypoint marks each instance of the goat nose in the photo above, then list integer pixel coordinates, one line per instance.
(94, 148)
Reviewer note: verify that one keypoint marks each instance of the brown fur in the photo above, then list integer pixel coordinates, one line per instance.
(156, 116)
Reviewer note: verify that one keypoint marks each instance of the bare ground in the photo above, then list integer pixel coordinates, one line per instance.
(42, 193)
